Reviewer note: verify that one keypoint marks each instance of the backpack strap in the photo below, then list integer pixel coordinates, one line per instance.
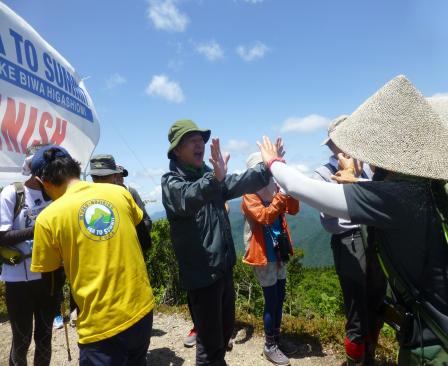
(439, 193)
(20, 198)
(410, 297)
(326, 171)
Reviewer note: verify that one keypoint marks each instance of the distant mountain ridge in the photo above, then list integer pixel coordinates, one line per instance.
(306, 231)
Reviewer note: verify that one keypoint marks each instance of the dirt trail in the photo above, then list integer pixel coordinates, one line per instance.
(166, 347)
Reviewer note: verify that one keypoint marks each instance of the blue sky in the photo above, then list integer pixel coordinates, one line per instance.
(242, 68)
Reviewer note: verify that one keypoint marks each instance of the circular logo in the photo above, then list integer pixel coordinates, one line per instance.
(98, 220)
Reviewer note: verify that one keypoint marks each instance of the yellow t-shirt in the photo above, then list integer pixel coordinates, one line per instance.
(91, 230)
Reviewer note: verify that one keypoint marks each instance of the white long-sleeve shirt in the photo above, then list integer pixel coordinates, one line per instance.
(324, 196)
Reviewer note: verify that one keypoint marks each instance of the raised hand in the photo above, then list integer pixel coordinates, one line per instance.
(280, 147)
(218, 161)
(344, 176)
(347, 163)
(268, 150)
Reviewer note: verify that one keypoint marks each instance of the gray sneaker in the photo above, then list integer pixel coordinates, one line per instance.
(273, 354)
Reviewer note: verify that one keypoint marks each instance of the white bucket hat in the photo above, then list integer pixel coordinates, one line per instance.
(254, 159)
(333, 124)
(397, 129)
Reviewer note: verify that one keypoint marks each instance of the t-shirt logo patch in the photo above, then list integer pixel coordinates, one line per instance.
(98, 220)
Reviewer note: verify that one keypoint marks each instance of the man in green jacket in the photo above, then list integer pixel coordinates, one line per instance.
(194, 197)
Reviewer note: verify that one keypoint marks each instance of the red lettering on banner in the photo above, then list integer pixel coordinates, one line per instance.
(30, 129)
(45, 120)
(59, 132)
(12, 124)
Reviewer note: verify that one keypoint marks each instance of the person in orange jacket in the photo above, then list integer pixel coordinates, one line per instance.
(268, 245)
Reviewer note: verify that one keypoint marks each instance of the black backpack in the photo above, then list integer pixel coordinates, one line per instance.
(10, 254)
(437, 322)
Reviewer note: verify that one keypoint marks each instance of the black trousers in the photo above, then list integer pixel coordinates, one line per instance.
(363, 285)
(25, 301)
(128, 348)
(213, 311)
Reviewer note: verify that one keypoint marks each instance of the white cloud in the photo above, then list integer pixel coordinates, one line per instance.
(154, 195)
(236, 145)
(239, 147)
(135, 185)
(212, 51)
(153, 200)
(161, 86)
(165, 15)
(253, 1)
(149, 173)
(115, 80)
(304, 124)
(437, 95)
(258, 50)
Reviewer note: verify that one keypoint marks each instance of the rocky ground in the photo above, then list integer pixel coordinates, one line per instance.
(166, 347)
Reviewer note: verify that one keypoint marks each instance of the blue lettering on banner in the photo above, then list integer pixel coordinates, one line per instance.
(2, 48)
(31, 56)
(24, 79)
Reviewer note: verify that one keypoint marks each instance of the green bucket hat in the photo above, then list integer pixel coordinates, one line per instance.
(179, 129)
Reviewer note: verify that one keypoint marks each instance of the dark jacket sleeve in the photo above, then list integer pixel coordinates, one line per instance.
(13, 237)
(184, 198)
(143, 236)
(251, 181)
(146, 219)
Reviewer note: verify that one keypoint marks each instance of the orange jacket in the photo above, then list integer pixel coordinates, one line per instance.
(258, 215)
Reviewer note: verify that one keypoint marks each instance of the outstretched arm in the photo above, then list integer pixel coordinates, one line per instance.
(325, 197)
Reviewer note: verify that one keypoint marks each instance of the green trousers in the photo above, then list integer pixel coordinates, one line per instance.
(432, 356)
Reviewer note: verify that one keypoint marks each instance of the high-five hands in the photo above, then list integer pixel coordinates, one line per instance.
(280, 147)
(269, 151)
(218, 161)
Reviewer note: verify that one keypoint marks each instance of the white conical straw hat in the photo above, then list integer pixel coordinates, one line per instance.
(397, 129)
(440, 106)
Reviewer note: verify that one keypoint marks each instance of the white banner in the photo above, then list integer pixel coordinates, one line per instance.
(42, 98)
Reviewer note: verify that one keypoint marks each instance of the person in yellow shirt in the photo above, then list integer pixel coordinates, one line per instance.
(94, 230)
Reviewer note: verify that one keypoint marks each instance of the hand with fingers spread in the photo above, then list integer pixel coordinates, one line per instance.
(271, 152)
(218, 161)
(280, 147)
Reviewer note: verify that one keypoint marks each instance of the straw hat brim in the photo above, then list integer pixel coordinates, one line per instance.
(397, 129)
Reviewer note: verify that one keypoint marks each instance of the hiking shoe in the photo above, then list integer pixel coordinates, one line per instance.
(190, 339)
(58, 322)
(273, 354)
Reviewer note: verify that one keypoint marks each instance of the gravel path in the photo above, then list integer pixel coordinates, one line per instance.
(166, 347)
